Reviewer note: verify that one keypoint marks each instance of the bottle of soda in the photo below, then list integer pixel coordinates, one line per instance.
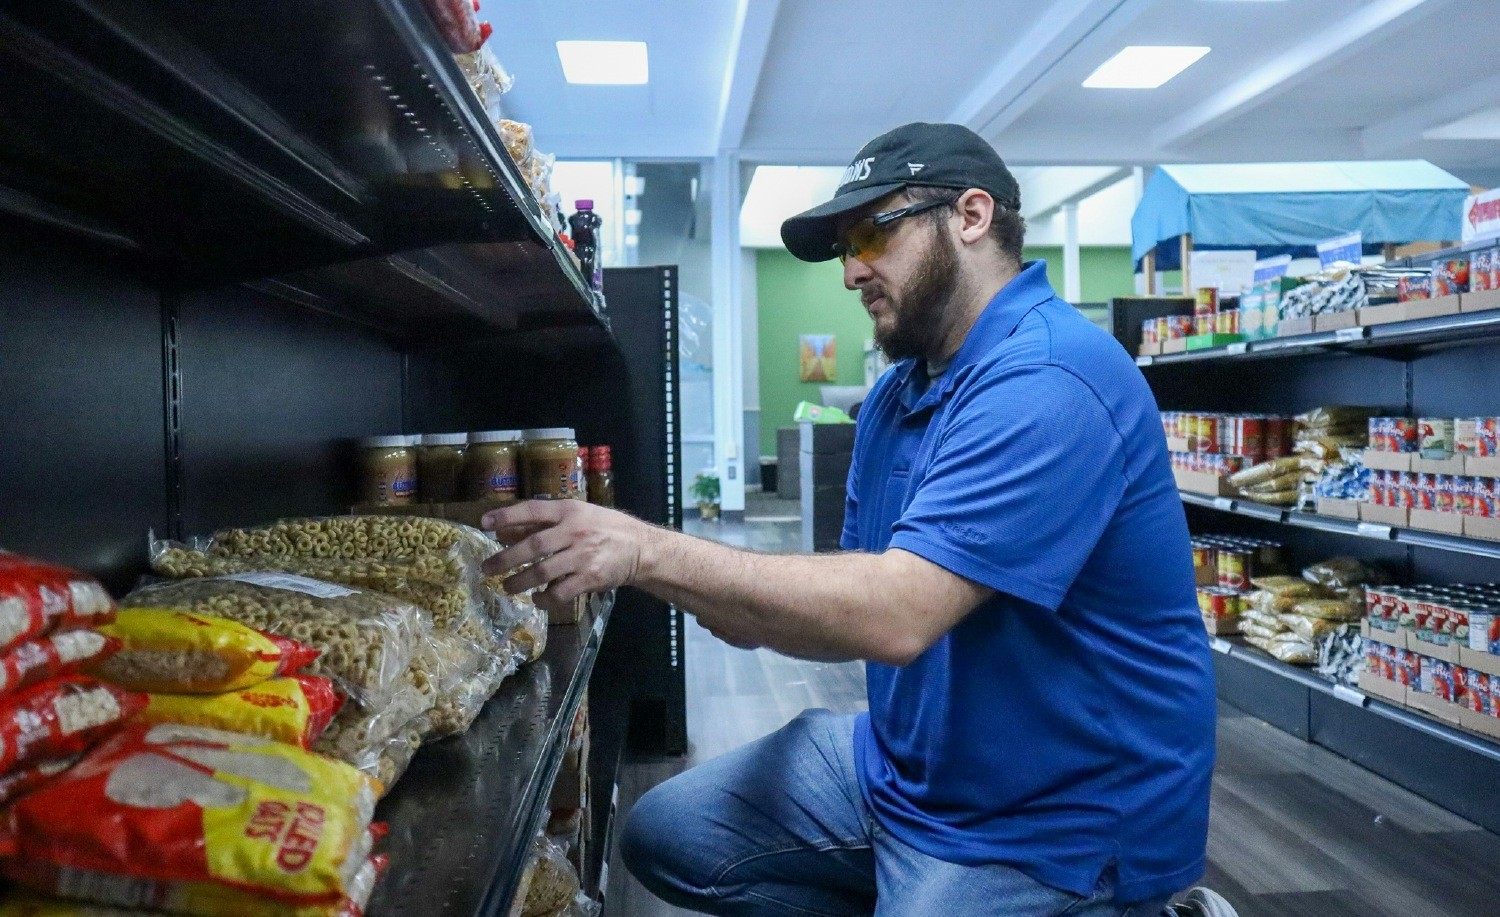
(585, 228)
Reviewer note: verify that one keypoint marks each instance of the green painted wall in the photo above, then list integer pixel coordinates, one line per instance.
(797, 298)
(1105, 272)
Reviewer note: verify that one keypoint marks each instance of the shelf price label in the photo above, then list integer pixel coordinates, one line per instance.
(1374, 530)
(1349, 695)
(1143, 361)
(1224, 503)
(1345, 335)
(1219, 645)
(1235, 350)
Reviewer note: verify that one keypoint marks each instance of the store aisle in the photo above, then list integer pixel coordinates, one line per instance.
(1296, 831)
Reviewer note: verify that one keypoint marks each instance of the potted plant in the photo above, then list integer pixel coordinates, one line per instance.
(706, 492)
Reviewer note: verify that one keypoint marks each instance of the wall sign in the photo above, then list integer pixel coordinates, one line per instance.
(1347, 247)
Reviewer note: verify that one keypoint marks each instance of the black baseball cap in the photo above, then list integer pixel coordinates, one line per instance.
(929, 155)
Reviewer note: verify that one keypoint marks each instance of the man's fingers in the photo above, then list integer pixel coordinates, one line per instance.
(535, 513)
(540, 574)
(560, 595)
(529, 550)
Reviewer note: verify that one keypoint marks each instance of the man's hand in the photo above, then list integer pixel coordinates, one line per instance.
(573, 547)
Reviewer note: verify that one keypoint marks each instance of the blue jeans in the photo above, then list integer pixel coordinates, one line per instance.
(780, 827)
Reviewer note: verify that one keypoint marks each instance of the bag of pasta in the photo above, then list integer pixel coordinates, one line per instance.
(449, 603)
(1282, 593)
(1265, 471)
(1342, 574)
(195, 820)
(172, 650)
(434, 550)
(295, 709)
(33, 661)
(1292, 649)
(1330, 609)
(1309, 629)
(365, 639)
(61, 717)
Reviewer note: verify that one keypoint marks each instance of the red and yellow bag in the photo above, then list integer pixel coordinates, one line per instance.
(293, 709)
(171, 651)
(39, 659)
(37, 598)
(23, 780)
(160, 811)
(61, 717)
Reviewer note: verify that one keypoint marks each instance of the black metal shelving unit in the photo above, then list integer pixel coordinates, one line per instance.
(470, 806)
(1428, 367)
(234, 238)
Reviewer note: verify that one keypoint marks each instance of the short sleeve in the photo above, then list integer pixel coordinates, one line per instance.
(1024, 480)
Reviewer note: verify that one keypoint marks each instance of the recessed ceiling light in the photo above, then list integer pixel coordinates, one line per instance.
(1144, 66)
(611, 63)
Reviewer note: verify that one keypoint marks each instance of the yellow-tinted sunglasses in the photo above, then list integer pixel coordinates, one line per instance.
(866, 240)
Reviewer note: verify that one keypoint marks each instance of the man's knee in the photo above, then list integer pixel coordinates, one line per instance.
(662, 843)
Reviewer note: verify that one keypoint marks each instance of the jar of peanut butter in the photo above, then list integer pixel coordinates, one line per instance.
(440, 466)
(388, 470)
(492, 466)
(551, 468)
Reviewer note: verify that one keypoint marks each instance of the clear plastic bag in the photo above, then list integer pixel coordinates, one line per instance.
(1294, 650)
(487, 78)
(367, 639)
(1330, 609)
(1340, 574)
(359, 733)
(455, 711)
(434, 550)
(1310, 629)
(554, 881)
(1287, 587)
(1265, 471)
(396, 755)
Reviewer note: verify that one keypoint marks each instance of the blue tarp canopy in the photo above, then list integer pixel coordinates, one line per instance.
(1289, 207)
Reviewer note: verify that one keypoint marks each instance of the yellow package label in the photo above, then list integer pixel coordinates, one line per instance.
(167, 650)
(287, 709)
(199, 898)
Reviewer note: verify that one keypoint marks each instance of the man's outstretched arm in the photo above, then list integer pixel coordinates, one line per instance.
(886, 607)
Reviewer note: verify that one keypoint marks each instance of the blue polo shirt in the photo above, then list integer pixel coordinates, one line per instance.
(1069, 721)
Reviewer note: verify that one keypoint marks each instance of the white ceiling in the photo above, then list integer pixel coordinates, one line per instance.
(806, 82)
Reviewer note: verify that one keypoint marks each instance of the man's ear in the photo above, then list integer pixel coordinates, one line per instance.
(976, 209)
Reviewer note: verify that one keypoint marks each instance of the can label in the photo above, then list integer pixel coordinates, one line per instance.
(1443, 496)
(1436, 437)
(1234, 569)
(1208, 433)
(1207, 302)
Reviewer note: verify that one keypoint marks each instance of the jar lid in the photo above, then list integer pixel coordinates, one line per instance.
(445, 439)
(548, 433)
(388, 442)
(495, 436)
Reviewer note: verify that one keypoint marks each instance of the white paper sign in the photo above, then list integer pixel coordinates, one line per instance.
(1230, 272)
(1345, 248)
(1482, 216)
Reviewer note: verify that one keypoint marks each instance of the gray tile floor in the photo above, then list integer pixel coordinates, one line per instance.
(1296, 831)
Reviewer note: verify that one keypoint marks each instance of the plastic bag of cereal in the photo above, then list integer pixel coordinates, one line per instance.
(61, 717)
(41, 658)
(37, 598)
(171, 816)
(176, 651)
(295, 709)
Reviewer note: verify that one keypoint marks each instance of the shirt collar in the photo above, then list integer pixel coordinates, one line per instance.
(1027, 290)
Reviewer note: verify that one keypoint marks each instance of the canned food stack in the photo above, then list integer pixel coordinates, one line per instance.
(1439, 641)
(1323, 437)
(1224, 444)
(1165, 328)
(1223, 566)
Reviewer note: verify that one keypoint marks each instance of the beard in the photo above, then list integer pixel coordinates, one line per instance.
(917, 308)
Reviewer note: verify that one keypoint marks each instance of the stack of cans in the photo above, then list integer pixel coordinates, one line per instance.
(1445, 493)
(1223, 566)
(1253, 437)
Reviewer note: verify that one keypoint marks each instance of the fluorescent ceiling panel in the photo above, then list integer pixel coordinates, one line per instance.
(604, 63)
(1482, 125)
(1144, 66)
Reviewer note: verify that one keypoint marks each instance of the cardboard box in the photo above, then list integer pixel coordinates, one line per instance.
(1177, 444)
(1479, 466)
(1396, 638)
(1482, 723)
(1482, 301)
(1205, 341)
(1430, 520)
(1226, 628)
(1150, 350)
(1482, 527)
(1397, 516)
(1381, 315)
(1444, 653)
(1387, 461)
(1339, 509)
(1335, 321)
(1453, 465)
(1175, 345)
(1434, 706)
(1290, 327)
(1432, 308)
(1375, 686)
(1479, 661)
(1200, 482)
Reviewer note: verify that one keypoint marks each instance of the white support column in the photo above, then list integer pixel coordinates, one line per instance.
(1138, 188)
(729, 392)
(1072, 257)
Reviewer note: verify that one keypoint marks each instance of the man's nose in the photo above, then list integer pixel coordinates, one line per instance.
(856, 273)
